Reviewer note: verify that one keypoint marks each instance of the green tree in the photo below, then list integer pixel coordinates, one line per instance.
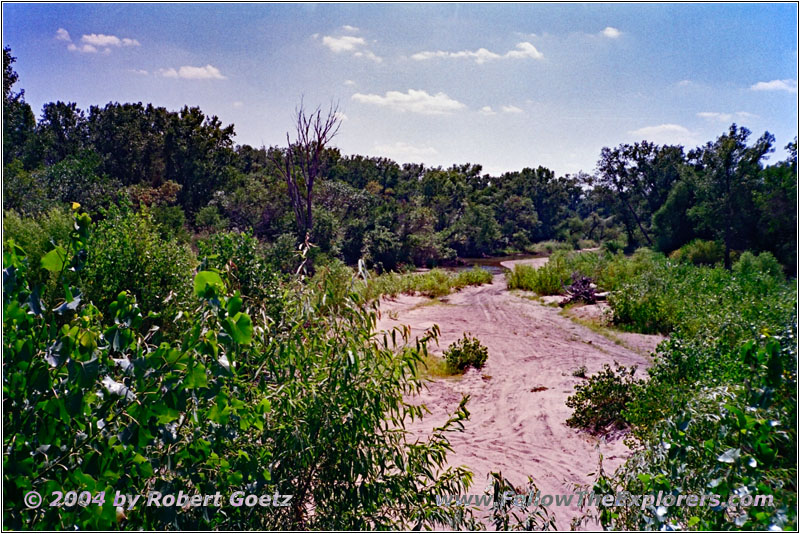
(18, 118)
(727, 173)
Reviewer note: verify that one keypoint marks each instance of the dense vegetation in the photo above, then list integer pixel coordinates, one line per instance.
(183, 313)
(184, 168)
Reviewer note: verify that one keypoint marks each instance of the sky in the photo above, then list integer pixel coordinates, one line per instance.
(506, 86)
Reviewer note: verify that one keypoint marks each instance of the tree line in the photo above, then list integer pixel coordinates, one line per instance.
(185, 168)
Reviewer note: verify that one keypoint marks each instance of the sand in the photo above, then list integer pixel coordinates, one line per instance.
(517, 424)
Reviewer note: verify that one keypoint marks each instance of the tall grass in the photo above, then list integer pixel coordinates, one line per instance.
(434, 283)
(339, 280)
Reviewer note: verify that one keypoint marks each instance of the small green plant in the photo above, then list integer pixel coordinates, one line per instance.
(598, 403)
(464, 353)
(580, 372)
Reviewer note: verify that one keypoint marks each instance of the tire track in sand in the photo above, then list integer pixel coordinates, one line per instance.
(513, 428)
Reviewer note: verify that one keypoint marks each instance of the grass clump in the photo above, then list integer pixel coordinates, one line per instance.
(434, 283)
(464, 353)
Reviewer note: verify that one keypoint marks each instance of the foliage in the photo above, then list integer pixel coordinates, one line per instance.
(99, 403)
(247, 268)
(434, 283)
(464, 353)
(209, 218)
(599, 401)
(704, 301)
(128, 253)
(750, 265)
(37, 236)
(732, 439)
(534, 516)
(700, 252)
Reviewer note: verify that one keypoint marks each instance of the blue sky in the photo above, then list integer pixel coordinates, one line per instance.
(503, 85)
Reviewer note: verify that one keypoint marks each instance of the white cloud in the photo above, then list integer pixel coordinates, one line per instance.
(789, 86)
(85, 49)
(341, 116)
(139, 71)
(349, 83)
(369, 55)
(93, 42)
(401, 150)
(487, 110)
(345, 43)
(350, 43)
(349, 28)
(98, 39)
(523, 50)
(715, 116)
(238, 104)
(611, 33)
(666, 134)
(684, 83)
(209, 72)
(511, 109)
(415, 101)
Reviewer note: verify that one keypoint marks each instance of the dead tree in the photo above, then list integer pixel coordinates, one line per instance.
(300, 165)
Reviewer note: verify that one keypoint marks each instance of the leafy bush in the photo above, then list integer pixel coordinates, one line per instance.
(171, 223)
(209, 218)
(464, 353)
(97, 402)
(472, 277)
(599, 402)
(37, 236)
(549, 247)
(548, 279)
(749, 265)
(700, 252)
(613, 246)
(246, 266)
(128, 253)
(732, 438)
(711, 302)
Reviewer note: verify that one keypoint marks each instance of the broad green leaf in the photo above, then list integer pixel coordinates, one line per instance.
(206, 281)
(55, 260)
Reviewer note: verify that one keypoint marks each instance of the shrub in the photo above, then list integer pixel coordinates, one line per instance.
(464, 353)
(128, 253)
(599, 402)
(37, 236)
(700, 252)
(548, 279)
(246, 266)
(472, 277)
(171, 223)
(749, 264)
(209, 218)
(613, 246)
(99, 403)
(549, 247)
(734, 437)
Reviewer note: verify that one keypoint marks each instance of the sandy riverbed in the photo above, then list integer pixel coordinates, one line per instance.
(516, 427)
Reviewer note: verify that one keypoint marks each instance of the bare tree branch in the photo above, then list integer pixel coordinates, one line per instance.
(303, 159)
